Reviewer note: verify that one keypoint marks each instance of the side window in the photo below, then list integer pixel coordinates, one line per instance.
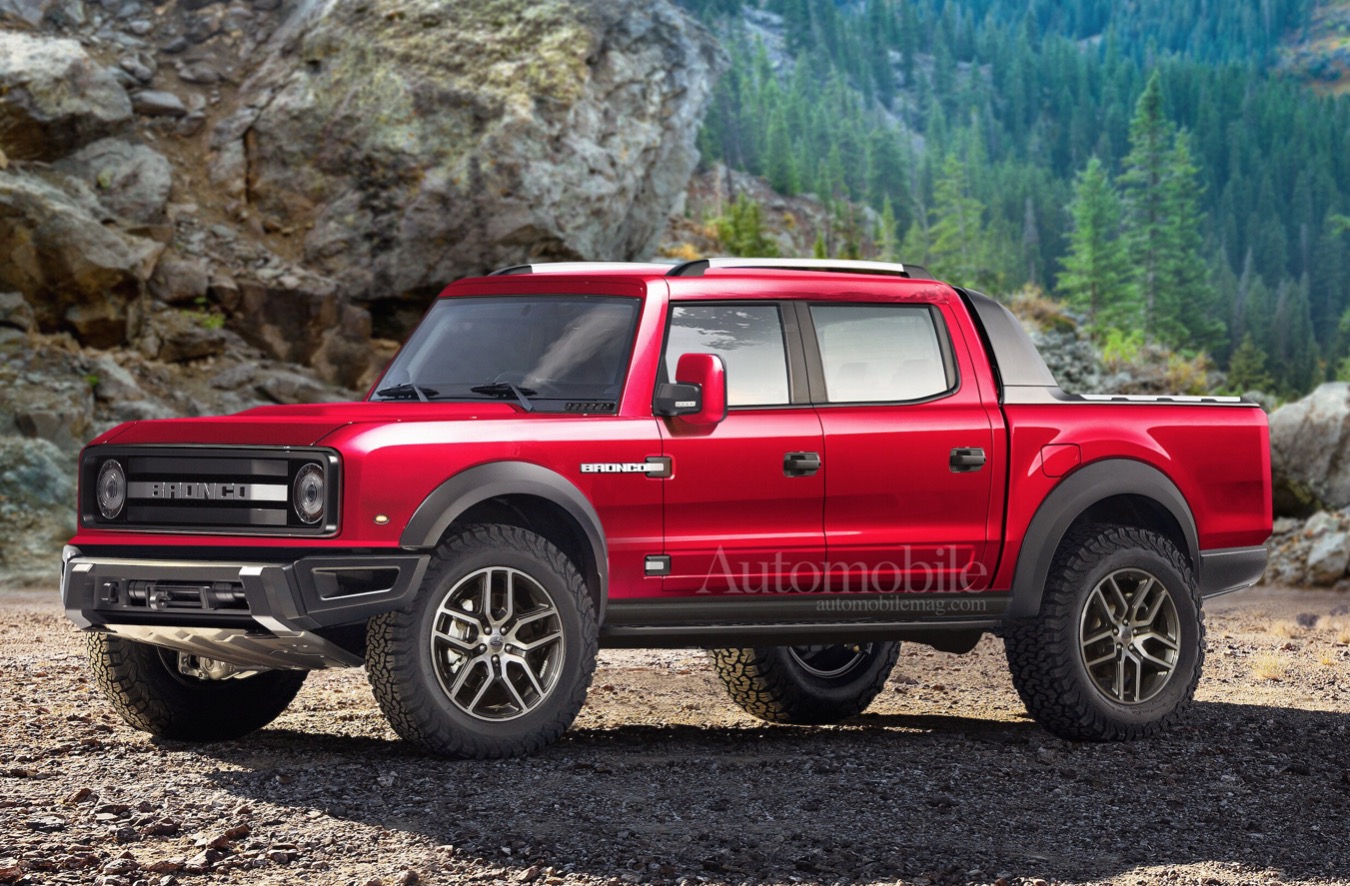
(880, 353)
(748, 338)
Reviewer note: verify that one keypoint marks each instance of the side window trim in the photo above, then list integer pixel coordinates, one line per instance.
(816, 364)
(798, 362)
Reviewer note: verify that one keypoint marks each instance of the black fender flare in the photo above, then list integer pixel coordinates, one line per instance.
(1066, 503)
(478, 484)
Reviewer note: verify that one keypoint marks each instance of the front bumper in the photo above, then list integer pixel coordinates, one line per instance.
(252, 614)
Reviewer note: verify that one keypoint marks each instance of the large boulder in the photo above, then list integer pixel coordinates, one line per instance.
(1310, 451)
(78, 274)
(131, 181)
(54, 99)
(418, 141)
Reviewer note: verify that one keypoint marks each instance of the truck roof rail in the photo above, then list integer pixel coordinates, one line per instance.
(697, 267)
(580, 267)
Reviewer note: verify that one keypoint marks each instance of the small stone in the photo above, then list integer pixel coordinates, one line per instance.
(156, 103)
(120, 866)
(201, 73)
(136, 68)
(47, 824)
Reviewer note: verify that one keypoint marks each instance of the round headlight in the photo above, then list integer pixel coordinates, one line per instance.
(111, 489)
(307, 494)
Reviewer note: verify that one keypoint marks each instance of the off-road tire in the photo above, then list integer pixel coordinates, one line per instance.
(770, 683)
(1046, 654)
(403, 675)
(143, 683)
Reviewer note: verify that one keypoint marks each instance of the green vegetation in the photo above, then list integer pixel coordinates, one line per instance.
(1139, 160)
(742, 232)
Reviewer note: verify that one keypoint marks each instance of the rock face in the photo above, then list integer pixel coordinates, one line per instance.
(76, 273)
(420, 141)
(207, 205)
(1310, 451)
(54, 98)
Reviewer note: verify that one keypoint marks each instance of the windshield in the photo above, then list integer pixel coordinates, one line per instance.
(553, 353)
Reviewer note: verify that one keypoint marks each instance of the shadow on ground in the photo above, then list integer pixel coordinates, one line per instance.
(884, 797)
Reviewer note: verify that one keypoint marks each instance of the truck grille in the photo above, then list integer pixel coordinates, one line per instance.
(209, 490)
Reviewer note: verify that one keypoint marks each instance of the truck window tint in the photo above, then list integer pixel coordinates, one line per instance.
(879, 353)
(748, 338)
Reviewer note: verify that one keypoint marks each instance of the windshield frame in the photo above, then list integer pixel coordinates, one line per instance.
(603, 404)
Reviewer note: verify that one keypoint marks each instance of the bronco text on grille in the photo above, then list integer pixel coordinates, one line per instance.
(207, 489)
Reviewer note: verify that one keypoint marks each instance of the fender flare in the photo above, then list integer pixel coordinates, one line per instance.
(452, 498)
(1066, 503)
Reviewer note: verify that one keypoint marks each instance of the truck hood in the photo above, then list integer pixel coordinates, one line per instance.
(304, 425)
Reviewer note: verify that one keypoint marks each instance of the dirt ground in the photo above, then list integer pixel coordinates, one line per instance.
(662, 779)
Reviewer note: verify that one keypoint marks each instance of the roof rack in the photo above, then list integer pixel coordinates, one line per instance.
(891, 269)
(697, 267)
(580, 267)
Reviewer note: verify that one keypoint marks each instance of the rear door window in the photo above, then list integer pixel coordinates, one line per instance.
(882, 353)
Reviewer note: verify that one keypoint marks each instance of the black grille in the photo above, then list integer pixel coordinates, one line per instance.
(209, 489)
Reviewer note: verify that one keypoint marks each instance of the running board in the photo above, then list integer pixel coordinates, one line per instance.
(954, 635)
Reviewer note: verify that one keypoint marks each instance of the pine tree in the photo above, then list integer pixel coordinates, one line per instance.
(886, 228)
(1146, 201)
(956, 233)
(779, 168)
(1186, 312)
(1096, 278)
(741, 230)
(1247, 368)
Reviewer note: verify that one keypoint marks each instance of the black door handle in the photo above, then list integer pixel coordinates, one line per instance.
(964, 460)
(801, 464)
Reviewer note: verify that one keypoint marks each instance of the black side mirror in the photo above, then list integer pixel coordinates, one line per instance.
(677, 399)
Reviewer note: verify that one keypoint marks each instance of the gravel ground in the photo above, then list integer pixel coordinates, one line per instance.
(943, 780)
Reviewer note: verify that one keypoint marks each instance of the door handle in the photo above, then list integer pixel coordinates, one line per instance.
(967, 459)
(801, 464)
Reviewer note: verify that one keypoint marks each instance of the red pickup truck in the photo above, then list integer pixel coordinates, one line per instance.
(795, 464)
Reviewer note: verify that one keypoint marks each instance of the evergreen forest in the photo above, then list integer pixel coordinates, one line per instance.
(1156, 165)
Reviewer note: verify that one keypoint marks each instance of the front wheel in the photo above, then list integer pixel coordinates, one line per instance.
(149, 689)
(805, 684)
(1116, 650)
(495, 655)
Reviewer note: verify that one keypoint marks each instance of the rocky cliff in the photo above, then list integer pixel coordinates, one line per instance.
(209, 205)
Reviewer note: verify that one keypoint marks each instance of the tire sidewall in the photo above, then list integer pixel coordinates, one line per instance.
(1181, 684)
(573, 676)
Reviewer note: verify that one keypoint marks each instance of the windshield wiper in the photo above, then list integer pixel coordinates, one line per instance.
(507, 389)
(407, 391)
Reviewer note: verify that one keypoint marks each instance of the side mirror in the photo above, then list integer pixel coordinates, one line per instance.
(699, 393)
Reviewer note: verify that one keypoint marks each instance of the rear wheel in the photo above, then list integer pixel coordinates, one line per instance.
(1116, 650)
(805, 684)
(171, 695)
(497, 652)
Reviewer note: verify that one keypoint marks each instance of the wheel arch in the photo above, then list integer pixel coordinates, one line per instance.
(1119, 491)
(520, 494)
